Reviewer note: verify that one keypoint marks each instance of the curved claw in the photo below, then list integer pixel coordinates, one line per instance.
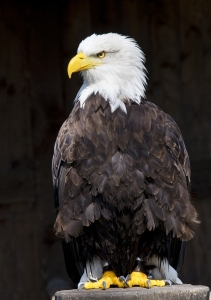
(81, 286)
(128, 277)
(148, 283)
(168, 282)
(104, 285)
(125, 280)
(122, 278)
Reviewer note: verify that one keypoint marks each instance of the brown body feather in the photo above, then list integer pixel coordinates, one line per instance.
(119, 179)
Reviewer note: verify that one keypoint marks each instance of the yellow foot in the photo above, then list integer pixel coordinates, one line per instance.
(140, 279)
(109, 278)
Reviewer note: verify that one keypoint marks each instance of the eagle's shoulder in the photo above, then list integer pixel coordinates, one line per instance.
(172, 136)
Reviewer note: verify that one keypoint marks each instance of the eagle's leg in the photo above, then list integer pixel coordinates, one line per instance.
(109, 278)
(94, 278)
(92, 272)
(163, 270)
(139, 278)
(162, 274)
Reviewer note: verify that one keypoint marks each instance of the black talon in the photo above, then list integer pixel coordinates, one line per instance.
(168, 282)
(128, 277)
(123, 279)
(148, 283)
(104, 285)
(81, 286)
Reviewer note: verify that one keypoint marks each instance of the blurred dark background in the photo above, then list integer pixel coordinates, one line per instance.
(37, 39)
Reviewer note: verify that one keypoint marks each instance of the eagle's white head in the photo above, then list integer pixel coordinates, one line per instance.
(111, 65)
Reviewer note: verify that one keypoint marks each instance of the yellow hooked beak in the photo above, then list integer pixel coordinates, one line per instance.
(82, 62)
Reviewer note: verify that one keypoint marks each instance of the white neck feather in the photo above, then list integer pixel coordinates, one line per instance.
(122, 76)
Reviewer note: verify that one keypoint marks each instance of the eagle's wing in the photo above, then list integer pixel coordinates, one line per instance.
(175, 186)
(167, 164)
(59, 170)
(177, 147)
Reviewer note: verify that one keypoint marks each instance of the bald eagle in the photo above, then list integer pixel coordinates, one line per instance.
(121, 175)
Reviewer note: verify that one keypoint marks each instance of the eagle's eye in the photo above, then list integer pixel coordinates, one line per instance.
(101, 54)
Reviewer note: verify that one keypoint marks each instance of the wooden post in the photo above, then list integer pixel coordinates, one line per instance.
(175, 292)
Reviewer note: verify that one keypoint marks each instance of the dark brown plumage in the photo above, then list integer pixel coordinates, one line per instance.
(121, 186)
